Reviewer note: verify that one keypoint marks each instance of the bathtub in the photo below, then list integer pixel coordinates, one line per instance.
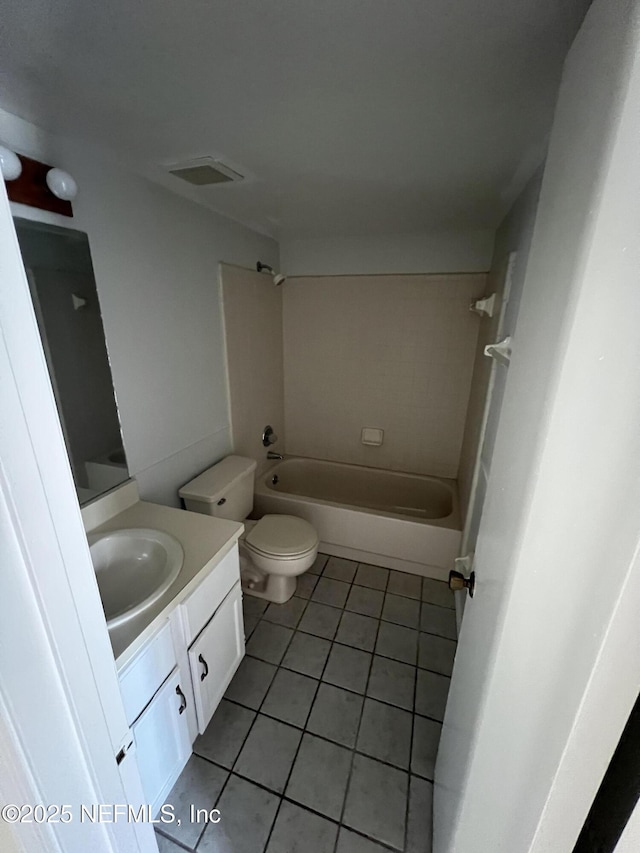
(400, 521)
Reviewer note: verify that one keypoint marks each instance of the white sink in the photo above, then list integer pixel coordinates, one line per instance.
(134, 567)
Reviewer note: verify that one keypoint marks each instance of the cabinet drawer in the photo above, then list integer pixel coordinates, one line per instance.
(200, 606)
(215, 656)
(140, 679)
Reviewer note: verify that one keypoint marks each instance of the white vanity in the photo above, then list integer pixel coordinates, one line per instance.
(176, 658)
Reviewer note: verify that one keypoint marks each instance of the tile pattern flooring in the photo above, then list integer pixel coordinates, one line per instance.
(326, 739)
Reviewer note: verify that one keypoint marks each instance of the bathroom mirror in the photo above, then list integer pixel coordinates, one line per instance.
(65, 300)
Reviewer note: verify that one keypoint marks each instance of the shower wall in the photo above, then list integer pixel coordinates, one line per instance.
(393, 352)
(252, 310)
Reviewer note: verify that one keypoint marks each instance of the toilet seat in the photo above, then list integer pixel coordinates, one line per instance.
(281, 537)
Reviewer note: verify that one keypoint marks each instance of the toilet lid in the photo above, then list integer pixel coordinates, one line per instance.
(282, 536)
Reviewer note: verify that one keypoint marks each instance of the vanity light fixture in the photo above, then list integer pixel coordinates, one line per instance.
(10, 164)
(61, 184)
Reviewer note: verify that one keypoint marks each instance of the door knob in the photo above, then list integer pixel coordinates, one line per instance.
(458, 581)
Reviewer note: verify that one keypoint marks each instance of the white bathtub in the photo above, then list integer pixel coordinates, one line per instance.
(400, 521)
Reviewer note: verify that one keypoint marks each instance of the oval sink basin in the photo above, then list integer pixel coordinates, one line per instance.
(134, 568)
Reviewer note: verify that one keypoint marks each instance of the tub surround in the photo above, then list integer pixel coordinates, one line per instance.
(399, 348)
(205, 542)
(252, 311)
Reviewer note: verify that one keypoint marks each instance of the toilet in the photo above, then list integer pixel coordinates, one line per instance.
(275, 549)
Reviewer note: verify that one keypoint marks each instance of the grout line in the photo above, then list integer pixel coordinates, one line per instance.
(178, 844)
(413, 726)
(356, 613)
(355, 746)
(337, 687)
(340, 686)
(295, 757)
(431, 634)
(354, 751)
(302, 806)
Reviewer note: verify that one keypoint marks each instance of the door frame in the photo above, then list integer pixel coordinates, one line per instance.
(546, 671)
(64, 721)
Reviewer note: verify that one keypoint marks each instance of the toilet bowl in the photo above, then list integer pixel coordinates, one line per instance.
(273, 550)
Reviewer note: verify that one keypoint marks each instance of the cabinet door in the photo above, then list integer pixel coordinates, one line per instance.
(162, 739)
(215, 656)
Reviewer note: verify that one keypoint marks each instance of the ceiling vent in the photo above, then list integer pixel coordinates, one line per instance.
(204, 171)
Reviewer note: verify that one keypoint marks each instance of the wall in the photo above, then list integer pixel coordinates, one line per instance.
(156, 258)
(253, 333)
(537, 701)
(428, 252)
(514, 235)
(394, 352)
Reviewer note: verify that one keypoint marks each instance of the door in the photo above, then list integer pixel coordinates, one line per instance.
(547, 671)
(215, 655)
(54, 644)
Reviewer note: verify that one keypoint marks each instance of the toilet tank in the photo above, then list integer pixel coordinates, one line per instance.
(225, 490)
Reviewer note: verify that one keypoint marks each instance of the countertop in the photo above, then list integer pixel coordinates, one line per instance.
(205, 541)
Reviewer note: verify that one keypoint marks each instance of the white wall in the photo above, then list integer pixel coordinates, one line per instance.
(389, 352)
(156, 260)
(428, 252)
(253, 333)
(560, 527)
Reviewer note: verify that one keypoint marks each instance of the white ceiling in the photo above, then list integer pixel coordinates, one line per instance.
(348, 117)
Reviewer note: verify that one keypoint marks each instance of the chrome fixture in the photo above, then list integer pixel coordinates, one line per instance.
(278, 278)
(268, 436)
(273, 455)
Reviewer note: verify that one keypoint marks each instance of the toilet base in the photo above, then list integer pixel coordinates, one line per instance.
(275, 588)
(260, 584)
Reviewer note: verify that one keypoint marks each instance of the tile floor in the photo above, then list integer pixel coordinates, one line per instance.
(326, 739)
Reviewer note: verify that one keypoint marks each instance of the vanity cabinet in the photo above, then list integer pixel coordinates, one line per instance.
(215, 656)
(163, 744)
(173, 684)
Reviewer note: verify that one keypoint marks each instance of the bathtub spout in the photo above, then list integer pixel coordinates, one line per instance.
(273, 455)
